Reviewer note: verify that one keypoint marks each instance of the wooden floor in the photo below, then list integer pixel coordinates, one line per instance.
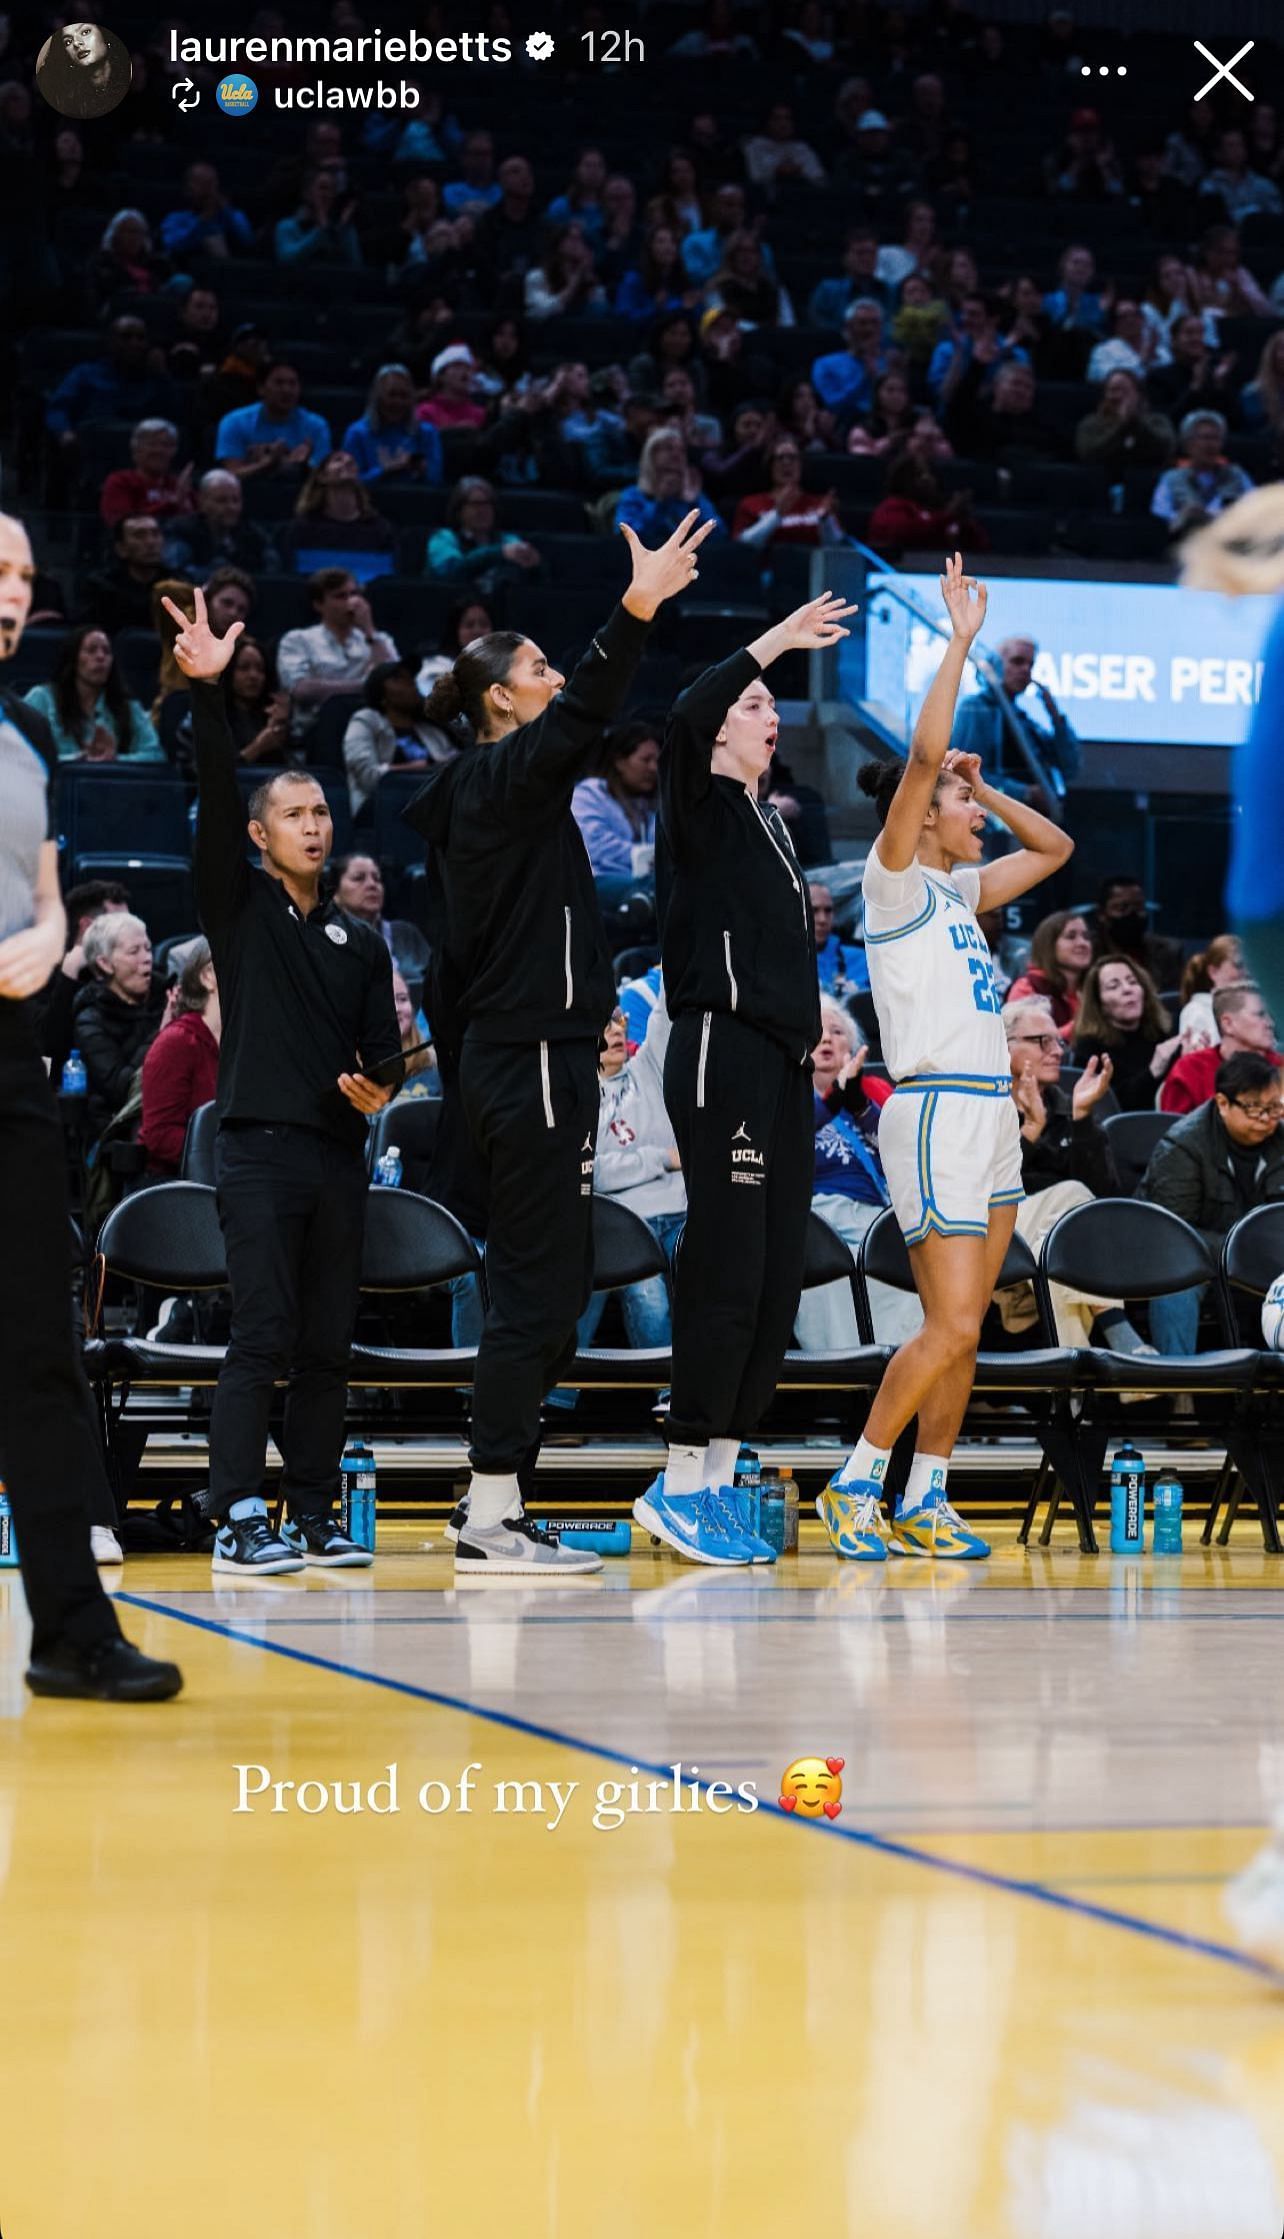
(996, 1998)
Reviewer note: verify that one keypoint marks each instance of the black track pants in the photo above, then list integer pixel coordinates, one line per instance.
(743, 1120)
(51, 1457)
(532, 1111)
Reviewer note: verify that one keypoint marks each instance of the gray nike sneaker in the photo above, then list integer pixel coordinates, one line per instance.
(518, 1548)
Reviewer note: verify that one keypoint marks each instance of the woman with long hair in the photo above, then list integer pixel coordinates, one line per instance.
(659, 283)
(916, 512)
(388, 438)
(466, 618)
(566, 284)
(180, 1070)
(258, 714)
(1122, 1018)
(893, 417)
(662, 494)
(615, 808)
(87, 707)
(336, 520)
(521, 989)
(582, 202)
(1060, 958)
(678, 201)
(504, 365)
(746, 288)
(786, 513)
(1218, 965)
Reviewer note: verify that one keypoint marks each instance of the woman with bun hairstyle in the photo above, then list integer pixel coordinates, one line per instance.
(520, 991)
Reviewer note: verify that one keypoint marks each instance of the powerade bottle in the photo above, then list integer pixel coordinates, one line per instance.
(8, 1544)
(747, 1479)
(1167, 1499)
(387, 1173)
(357, 1494)
(75, 1080)
(1127, 1502)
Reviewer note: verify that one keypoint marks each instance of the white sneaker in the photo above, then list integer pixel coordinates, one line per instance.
(105, 1547)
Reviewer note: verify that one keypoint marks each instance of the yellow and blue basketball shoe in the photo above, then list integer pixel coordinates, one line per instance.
(934, 1528)
(850, 1514)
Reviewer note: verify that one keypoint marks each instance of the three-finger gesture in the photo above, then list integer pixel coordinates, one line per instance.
(660, 575)
(197, 651)
(818, 623)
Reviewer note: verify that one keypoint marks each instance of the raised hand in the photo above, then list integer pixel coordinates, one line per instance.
(965, 600)
(197, 651)
(965, 767)
(660, 575)
(818, 623)
(1091, 1086)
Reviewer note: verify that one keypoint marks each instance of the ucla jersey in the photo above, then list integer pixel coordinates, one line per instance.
(930, 972)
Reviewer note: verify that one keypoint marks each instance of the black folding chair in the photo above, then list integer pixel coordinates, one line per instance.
(1252, 1258)
(412, 1245)
(625, 1250)
(411, 1126)
(1123, 1246)
(197, 1163)
(1132, 1137)
(1044, 1381)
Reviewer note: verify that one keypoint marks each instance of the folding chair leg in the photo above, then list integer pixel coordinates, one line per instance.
(1043, 1479)
(1258, 1456)
(1226, 1477)
(1076, 1449)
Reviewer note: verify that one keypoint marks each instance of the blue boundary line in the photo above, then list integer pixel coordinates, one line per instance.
(1104, 1915)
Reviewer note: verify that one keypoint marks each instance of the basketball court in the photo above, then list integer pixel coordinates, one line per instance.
(994, 1996)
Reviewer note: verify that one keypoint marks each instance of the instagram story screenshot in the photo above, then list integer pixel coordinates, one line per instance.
(642, 1119)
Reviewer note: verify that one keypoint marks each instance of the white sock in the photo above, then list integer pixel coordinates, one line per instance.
(720, 1458)
(866, 1464)
(491, 1500)
(926, 1472)
(684, 1470)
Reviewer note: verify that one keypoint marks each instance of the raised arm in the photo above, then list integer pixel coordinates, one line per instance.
(699, 712)
(965, 601)
(219, 864)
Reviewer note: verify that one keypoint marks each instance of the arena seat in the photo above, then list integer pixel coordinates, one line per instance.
(160, 886)
(1132, 1137)
(412, 1245)
(625, 1251)
(197, 1163)
(1125, 1244)
(828, 1258)
(412, 1126)
(166, 1238)
(123, 808)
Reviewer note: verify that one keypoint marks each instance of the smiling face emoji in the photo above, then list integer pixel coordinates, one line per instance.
(812, 1787)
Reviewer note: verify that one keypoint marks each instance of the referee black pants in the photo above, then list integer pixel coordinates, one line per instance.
(531, 1110)
(292, 1208)
(743, 1120)
(51, 1457)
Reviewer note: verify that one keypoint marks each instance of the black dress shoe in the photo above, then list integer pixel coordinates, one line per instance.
(113, 1671)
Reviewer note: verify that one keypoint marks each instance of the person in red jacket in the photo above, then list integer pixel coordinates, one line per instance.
(180, 1070)
(915, 512)
(1244, 1023)
(148, 484)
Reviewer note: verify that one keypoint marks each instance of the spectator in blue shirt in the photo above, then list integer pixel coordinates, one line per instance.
(209, 226)
(1077, 304)
(119, 386)
(831, 300)
(840, 964)
(275, 434)
(321, 230)
(977, 341)
(844, 381)
(659, 283)
(595, 435)
(661, 498)
(582, 202)
(615, 810)
(477, 189)
(704, 252)
(388, 439)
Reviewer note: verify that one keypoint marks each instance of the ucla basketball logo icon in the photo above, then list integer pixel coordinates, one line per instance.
(236, 96)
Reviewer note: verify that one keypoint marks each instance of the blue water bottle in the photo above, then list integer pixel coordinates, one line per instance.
(357, 1496)
(1167, 1499)
(746, 1478)
(387, 1173)
(1127, 1502)
(75, 1080)
(8, 1544)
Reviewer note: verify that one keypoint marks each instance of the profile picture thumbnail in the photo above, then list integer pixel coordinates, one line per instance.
(83, 70)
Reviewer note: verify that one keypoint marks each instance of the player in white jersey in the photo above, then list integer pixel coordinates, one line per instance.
(949, 1138)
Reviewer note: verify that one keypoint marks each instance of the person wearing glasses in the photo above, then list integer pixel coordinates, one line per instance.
(1213, 1166)
(1066, 1160)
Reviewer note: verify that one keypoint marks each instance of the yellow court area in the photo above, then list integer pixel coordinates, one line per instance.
(995, 1998)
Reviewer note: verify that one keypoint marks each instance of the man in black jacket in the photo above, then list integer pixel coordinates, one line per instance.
(1066, 1160)
(309, 1050)
(1212, 1167)
(522, 988)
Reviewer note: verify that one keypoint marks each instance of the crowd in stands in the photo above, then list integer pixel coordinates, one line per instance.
(381, 394)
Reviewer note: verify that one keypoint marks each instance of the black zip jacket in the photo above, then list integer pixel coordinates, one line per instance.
(519, 948)
(737, 922)
(1069, 1150)
(1194, 1173)
(303, 998)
